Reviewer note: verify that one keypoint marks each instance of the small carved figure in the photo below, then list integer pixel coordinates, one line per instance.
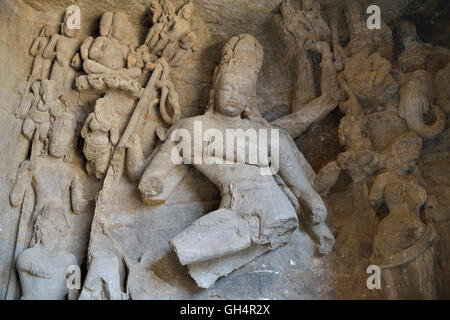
(361, 36)
(61, 49)
(42, 267)
(109, 60)
(37, 122)
(180, 25)
(109, 52)
(359, 157)
(41, 66)
(100, 134)
(417, 55)
(368, 75)
(186, 47)
(301, 28)
(170, 35)
(163, 13)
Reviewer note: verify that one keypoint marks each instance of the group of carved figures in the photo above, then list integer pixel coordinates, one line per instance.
(257, 213)
(402, 93)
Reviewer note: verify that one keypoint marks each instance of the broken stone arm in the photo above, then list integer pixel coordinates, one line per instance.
(296, 179)
(85, 129)
(162, 175)
(33, 269)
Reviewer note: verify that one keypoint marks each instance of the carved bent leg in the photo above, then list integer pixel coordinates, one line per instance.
(162, 43)
(102, 162)
(64, 77)
(326, 178)
(92, 67)
(36, 72)
(37, 146)
(25, 104)
(219, 233)
(103, 279)
(28, 128)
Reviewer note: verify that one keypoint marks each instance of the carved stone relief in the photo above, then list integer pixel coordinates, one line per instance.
(104, 110)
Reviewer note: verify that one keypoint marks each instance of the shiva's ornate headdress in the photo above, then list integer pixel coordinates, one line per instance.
(242, 54)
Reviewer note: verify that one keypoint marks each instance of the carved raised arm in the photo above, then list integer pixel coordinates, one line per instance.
(35, 47)
(84, 49)
(377, 192)
(50, 52)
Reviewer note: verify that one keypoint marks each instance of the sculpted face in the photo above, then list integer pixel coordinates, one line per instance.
(231, 94)
(60, 138)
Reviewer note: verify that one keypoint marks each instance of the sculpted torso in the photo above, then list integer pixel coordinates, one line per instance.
(220, 173)
(51, 179)
(43, 275)
(66, 48)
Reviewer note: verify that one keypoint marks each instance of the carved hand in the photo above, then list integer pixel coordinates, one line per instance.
(76, 62)
(149, 188)
(60, 60)
(319, 214)
(325, 237)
